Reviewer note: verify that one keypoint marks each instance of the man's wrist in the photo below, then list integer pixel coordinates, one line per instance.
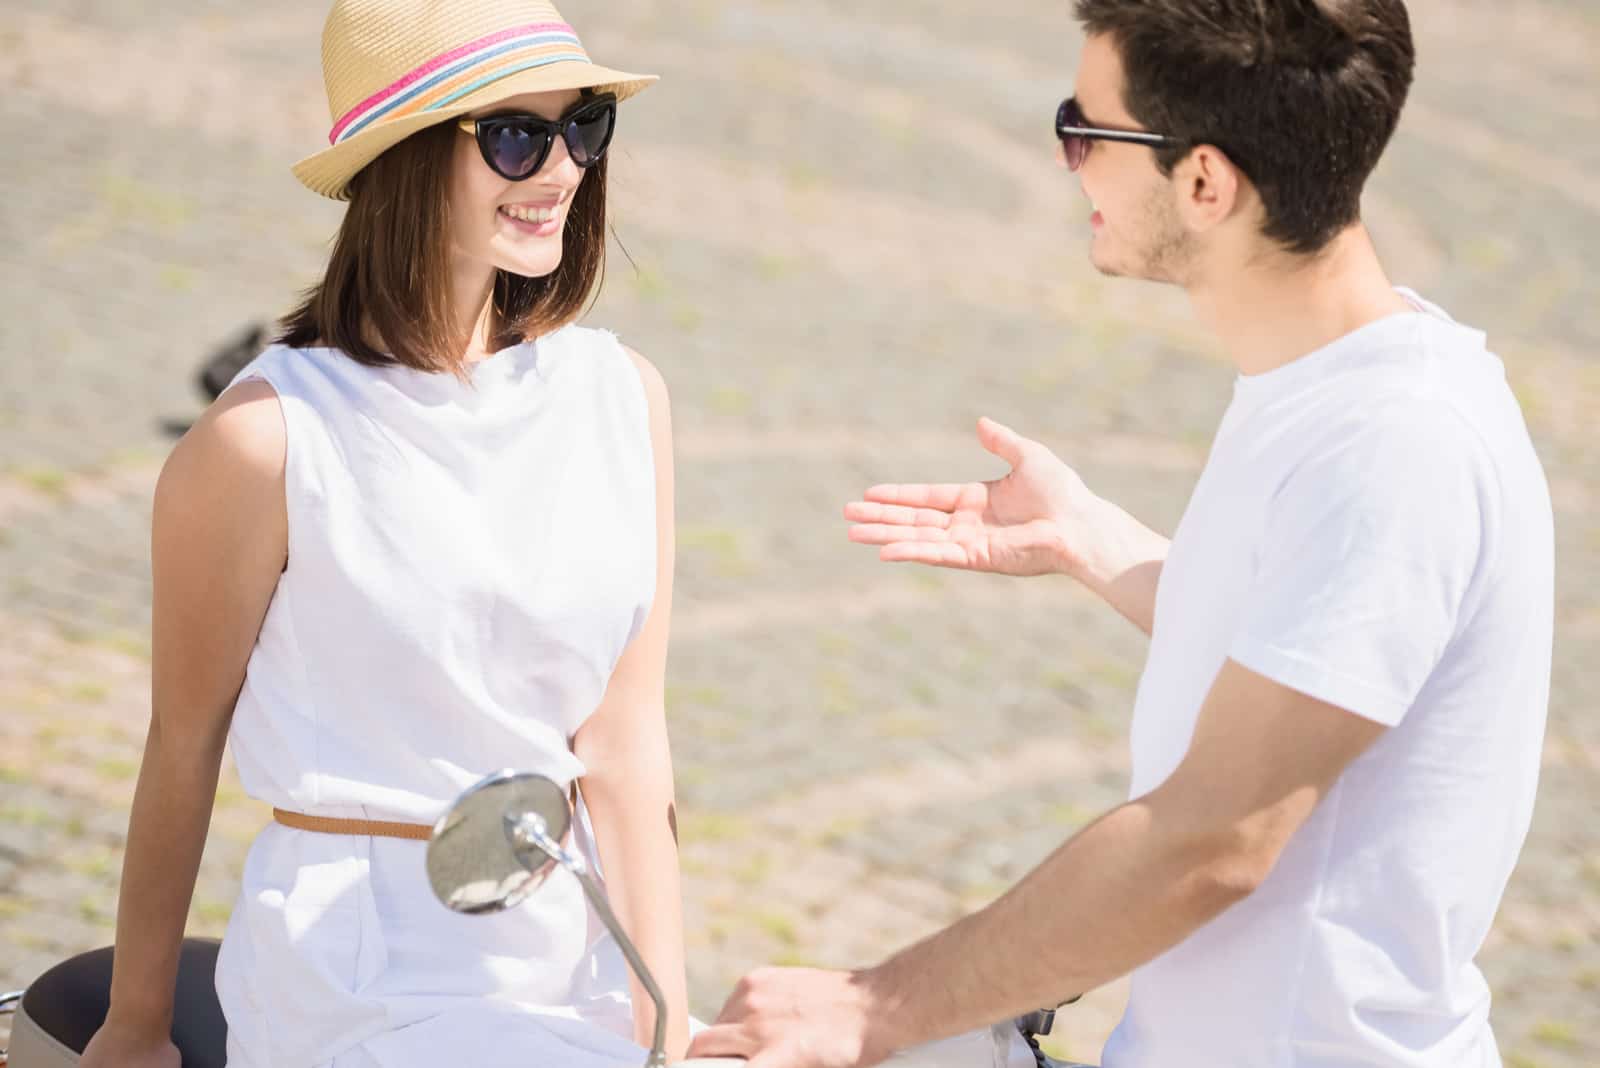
(887, 1010)
(1086, 548)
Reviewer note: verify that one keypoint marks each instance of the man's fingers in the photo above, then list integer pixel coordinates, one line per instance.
(886, 534)
(721, 1040)
(1001, 440)
(870, 512)
(934, 554)
(946, 497)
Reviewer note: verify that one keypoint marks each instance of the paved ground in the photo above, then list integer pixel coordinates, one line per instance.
(850, 241)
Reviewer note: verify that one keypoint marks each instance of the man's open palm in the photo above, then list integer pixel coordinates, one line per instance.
(1035, 520)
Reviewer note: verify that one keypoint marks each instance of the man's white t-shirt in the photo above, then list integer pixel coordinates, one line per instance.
(1372, 529)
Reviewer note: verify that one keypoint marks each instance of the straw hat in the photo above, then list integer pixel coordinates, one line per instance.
(394, 67)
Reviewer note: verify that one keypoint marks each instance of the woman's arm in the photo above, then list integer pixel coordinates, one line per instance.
(628, 782)
(219, 539)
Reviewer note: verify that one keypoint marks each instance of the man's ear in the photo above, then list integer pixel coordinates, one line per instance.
(1209, 188)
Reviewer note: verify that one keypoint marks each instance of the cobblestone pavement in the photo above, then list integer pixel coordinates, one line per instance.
(848, 240)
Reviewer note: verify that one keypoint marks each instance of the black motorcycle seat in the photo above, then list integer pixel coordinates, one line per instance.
(69, 1002)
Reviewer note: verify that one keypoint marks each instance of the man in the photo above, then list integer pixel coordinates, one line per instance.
(1337, 733)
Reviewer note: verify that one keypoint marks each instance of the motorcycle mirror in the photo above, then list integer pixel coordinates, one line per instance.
(476, 862)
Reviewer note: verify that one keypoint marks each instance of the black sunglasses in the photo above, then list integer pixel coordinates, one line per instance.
(1076, 135)
(516, 146)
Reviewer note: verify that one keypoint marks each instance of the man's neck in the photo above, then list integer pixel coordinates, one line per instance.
(1274, 310)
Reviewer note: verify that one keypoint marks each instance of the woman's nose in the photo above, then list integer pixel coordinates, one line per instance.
(559, 166)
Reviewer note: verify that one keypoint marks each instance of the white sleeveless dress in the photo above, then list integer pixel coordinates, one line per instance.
(466, 564)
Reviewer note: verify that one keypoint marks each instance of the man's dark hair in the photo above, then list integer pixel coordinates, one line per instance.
(1302, 95)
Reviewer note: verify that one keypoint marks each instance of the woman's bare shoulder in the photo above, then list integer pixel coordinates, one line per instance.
(238, 446)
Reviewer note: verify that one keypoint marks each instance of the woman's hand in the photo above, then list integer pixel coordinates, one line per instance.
(115, 1046)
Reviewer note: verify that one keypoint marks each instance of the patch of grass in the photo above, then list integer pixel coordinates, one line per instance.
(1518, 1059)
(903, 725)
(897, 633)
(771, 267)
(1556, 1033)
(712, 827)
(51, 481)
(779, 926)
(838, 693)
(91, 693)
(1069, 814)
(753, 871)
(979, 895)
(925, 694)
(1063, 682)
(91, 907)
(650, 285)
(29, 939)
(840, 828)
(1484, 252)
(230, 794)
(94, 865)
(700, 696)
(211, 913)
(1569, 941)
(1114, 673)
(26, 816)
(804, 177)
(130, 200)
(729, 400)
(689, 778)
(176, 277)
(725, 547)
(117, 769)
(832, 643)
(127, 644)
(687, 318)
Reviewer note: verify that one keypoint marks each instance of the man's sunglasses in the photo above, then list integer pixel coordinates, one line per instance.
(1077, 135)
(516, 146)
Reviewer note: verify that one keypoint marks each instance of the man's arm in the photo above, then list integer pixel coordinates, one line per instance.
(1039, 519)
(1124, 890)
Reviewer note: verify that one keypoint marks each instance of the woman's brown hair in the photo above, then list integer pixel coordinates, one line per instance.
(388, 278)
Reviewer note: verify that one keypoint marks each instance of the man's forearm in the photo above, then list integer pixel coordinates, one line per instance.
(1117, 895)
(1126, 568)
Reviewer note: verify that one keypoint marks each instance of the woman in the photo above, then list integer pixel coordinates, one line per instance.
(425, 536)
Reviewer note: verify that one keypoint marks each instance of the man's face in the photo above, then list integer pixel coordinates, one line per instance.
(1137, 232)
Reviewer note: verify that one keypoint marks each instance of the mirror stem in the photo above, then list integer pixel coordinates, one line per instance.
(530, 832)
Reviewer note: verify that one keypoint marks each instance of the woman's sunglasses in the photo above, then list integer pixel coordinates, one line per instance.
(516, 146)
(1076, 135)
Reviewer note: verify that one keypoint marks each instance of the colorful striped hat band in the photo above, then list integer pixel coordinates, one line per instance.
(447, 78)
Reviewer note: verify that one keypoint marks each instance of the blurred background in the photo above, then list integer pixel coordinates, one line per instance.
(846, 239)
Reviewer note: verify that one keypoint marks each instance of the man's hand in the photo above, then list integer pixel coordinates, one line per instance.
(1038, 519)
(799, 1018)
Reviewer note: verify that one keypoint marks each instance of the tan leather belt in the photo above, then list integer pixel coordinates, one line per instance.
(417, 832)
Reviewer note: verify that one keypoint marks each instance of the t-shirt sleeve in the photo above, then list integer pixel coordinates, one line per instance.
(1370, 548)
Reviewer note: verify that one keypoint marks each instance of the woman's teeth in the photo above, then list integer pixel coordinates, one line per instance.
(531, 215)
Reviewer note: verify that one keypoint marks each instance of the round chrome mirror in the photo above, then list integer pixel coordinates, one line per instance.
(475, 863)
